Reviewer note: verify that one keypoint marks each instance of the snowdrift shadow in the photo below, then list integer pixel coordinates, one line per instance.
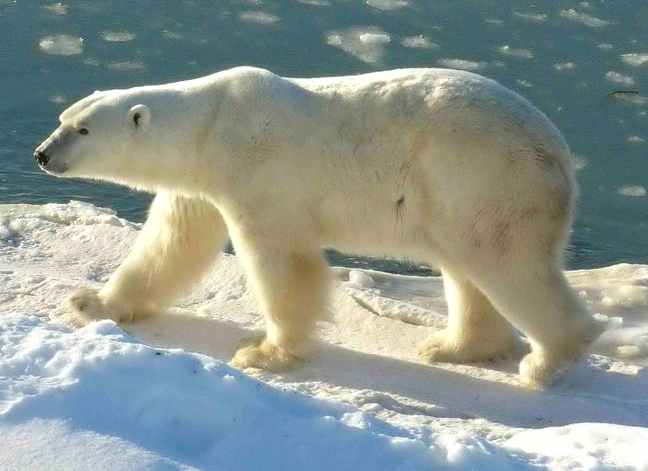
(589, 393)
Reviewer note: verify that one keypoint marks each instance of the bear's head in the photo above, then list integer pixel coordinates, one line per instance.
(96, 137)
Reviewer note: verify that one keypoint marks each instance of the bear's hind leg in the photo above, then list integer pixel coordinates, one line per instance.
(536, 299)
(292, 287)
(475, 332)
(179, 242)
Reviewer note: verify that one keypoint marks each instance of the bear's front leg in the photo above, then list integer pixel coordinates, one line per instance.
(180, 240)
(291, 283)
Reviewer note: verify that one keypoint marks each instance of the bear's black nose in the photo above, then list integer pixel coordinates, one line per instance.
(41, 157)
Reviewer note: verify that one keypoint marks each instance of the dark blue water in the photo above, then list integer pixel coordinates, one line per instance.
(567, 57)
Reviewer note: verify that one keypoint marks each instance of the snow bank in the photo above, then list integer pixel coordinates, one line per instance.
(186, 408)
(586, 446)
(103, 398)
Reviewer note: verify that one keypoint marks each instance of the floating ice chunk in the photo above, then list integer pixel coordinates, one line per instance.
(374, 38)
(61, 45)
(632, 190)
(171, 35)
(619, 78)
(57, 8)
(562, 66)
(584, 18)
(513, 52)
(578, 162)
(494, 21)
(367, 44)
(259, 17)
(635, 59)
(361, 279)
(524, 83)
(635, 140)
(462, 64)
(126, 66)
(532, 17)
(117, 36)
(418, 42)
(605, 46)
(387, 5)
(58, 99)
(316, 3)
(91, 61)
(633, 98)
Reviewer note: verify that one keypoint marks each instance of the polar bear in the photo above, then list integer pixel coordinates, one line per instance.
(437, 165)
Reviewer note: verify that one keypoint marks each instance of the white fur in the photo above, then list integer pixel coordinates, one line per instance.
(436, 165)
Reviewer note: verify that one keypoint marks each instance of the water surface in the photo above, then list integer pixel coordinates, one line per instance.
(566, 57)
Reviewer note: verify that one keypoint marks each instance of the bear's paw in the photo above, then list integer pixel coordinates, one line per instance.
(260, 353)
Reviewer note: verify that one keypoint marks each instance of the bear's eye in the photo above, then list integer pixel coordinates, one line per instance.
(83, 131)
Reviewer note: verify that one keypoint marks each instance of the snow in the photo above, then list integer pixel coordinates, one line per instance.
(586, 446)
(159, 395)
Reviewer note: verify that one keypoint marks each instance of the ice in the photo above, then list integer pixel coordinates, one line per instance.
(367, 44)
(531, 17)
(507, 50)
(117, 36)
(259, 17)
(58, 99)
(563, 66)
(462, 64)
(584, 18)
(578, 161)
(57, 8)
(605, 46)
(621, 79)
(126, 66)
(61, 45)
(387, 5)
(316, 3)
(635, 140)
(418, 42)
(632, 190)
(635, 59)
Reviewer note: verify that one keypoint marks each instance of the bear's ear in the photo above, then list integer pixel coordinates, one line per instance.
(139, 116)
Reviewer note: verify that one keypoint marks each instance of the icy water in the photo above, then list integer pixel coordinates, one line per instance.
(567, 57)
